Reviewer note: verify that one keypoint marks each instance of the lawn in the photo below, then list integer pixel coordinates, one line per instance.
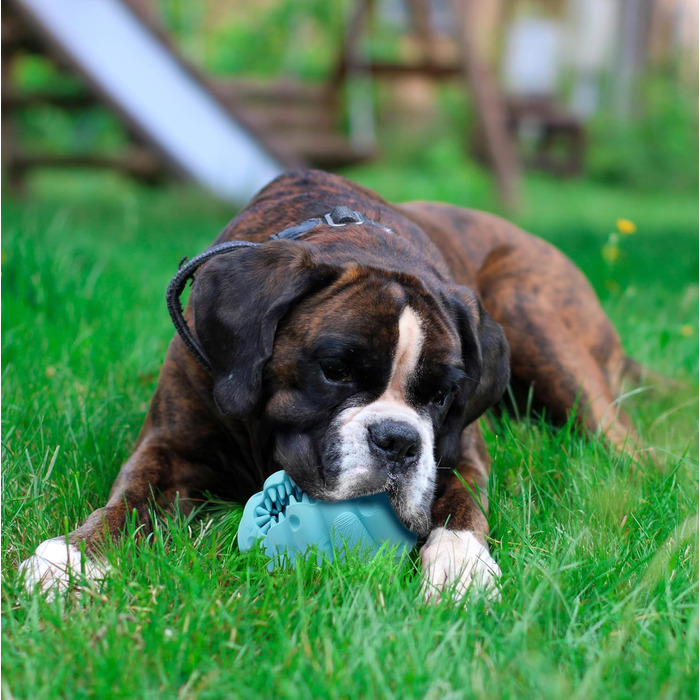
(599, 556)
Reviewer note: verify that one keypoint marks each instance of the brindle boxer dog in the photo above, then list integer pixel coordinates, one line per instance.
(356, 347)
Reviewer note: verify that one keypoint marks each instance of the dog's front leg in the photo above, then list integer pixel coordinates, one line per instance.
(455, 555)
(175, 457)
(59, 561)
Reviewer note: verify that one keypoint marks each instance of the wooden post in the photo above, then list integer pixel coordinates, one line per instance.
(358, 82)
(491, 116)
(351, 36)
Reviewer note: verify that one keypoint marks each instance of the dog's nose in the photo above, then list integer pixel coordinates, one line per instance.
(395, 441)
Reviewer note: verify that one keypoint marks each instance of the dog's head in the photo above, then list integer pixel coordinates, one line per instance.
(365, 376)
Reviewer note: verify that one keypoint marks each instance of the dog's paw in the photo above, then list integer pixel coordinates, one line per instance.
(456, 560)
(55, 565)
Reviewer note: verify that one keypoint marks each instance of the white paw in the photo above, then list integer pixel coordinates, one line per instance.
(455, 559)
(55, 565)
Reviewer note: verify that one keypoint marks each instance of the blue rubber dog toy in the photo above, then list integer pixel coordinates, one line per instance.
(288, 522)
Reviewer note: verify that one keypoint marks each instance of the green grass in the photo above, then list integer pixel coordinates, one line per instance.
(599, 558)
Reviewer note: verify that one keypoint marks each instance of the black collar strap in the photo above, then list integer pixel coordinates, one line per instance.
(177, 285)
(340, 216)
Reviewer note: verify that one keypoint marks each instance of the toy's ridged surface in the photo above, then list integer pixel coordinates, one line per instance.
(276, 498)
(289, 522)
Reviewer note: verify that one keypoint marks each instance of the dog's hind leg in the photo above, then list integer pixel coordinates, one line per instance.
(561, 342)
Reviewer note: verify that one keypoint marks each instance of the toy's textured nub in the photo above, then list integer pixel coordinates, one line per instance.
(287, 522)
(276, 498)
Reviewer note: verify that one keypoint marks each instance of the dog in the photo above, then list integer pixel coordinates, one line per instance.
(355, 344)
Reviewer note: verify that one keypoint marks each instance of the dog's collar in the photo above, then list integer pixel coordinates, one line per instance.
(340, 216)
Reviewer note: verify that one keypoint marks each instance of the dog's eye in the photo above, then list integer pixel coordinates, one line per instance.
(441, 398)
(335, 370)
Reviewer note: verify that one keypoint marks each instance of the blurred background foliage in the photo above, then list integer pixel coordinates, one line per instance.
(653, 148)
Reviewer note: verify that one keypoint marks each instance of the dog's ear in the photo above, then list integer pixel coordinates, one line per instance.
(238, 301)
(485, 353)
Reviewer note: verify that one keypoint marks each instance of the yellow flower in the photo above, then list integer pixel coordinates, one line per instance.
(688, 330)
(611, 253)
(626, 227)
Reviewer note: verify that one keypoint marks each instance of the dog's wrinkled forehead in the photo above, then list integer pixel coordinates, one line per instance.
(363, 310)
